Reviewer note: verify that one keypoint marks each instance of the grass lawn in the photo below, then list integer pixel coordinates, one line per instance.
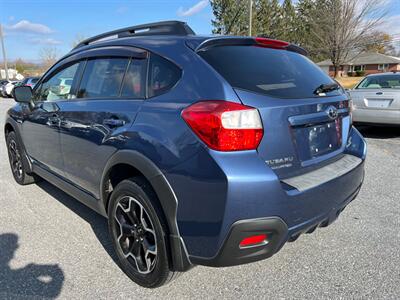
(349, 82)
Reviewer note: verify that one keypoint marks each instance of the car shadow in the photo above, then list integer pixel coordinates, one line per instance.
(96, 221)
(32, 281)
(379, 132)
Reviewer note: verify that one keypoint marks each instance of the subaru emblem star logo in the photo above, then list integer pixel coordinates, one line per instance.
(332, 112)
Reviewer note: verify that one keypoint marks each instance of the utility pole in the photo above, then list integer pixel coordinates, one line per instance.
(250, 16)
(4, 52)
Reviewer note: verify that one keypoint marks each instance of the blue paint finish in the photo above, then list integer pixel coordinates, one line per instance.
(85, 137)
(213, 189)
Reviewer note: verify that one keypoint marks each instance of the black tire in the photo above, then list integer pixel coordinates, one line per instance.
(18, 168)
(125, 205)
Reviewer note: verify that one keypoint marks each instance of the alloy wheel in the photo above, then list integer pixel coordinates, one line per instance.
(15, 159)
(135, 234)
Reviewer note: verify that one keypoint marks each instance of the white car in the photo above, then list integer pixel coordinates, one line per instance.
(8, 88)
(376, 99)
(3, 82)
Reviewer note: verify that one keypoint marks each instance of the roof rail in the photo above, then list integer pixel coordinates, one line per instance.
(158, 28)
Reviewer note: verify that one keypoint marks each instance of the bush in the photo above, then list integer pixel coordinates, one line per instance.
(360, 73)
(350, 74)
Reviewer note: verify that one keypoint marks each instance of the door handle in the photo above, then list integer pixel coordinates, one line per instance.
(53, 120)
(113, 122)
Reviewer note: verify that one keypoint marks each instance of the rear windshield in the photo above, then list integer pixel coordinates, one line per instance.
(380, 82)
(277, 73)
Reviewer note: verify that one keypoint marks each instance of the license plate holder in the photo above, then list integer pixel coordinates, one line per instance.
(318, 139)
(323, 138)
(378, 103)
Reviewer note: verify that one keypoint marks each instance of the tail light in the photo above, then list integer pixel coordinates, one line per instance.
(224, 125)
(270, 43)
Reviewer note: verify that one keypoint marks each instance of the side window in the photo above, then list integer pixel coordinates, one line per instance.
(135, 79)
(163, 75)
(57, 87)
(102, 77)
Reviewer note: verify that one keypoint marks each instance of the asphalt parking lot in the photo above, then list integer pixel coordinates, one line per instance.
(53, 246)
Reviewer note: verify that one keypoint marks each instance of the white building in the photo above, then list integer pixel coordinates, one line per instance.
(12, 74)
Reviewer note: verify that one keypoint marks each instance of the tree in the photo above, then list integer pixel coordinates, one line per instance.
(48, 56)
(339, 28)
(78, 38)
(380, 42)
(230, 16)
(288, 24)
(304, 13)
(268, 18)
(20, 66)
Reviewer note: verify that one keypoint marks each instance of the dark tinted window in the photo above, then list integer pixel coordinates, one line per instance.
(163, 75)
(277, 73)
(380, 82)
(102, 78)
(34, 80)
(135, 79)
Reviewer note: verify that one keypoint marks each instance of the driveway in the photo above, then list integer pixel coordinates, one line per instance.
(53, 246)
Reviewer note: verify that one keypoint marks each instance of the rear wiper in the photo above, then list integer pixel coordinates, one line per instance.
(325, 88)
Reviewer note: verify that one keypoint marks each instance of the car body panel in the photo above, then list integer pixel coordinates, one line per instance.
(40, 132)
(82, 123)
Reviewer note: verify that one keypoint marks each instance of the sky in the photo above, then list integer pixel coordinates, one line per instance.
(31, 25)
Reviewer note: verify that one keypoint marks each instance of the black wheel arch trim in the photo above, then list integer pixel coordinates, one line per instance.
(165, 194)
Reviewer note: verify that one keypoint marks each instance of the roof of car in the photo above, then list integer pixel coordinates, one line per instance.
(383, 74)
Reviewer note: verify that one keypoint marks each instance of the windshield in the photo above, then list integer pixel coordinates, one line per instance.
(380, 82)
(277, 73)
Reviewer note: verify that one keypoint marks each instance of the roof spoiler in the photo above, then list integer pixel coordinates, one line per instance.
(250, 41)
(158, 28)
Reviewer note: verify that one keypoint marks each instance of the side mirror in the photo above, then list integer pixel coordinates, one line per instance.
(23, 94)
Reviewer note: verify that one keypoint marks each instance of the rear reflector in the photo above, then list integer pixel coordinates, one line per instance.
(269, 43)
(224, 125)
(254, 240)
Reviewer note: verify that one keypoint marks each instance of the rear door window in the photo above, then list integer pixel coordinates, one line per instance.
(102, 78)
(163, 75)
(276, 73)
(134, 85)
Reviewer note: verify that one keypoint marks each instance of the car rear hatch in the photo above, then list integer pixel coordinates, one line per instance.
(305, 114)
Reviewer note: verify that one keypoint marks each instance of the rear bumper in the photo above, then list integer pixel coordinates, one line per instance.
(230, 254)
(390, 117)
(278, 234)
(231, 191)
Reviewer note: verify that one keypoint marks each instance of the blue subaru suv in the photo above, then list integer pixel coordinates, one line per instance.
(200, 150)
